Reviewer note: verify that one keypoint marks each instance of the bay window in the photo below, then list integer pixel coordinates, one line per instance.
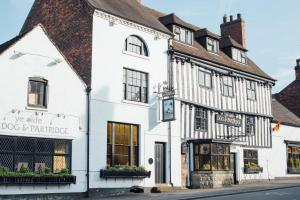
(211, 157)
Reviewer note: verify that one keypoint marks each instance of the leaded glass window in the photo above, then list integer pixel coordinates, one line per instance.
(35, 153)
(201, 119)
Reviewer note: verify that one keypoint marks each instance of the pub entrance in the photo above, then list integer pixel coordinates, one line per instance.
(160, 163)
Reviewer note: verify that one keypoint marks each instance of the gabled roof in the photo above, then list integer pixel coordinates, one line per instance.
(230, 42)
(10, 42)
(131, 10)
(174, 19)
(204, 32)
(284, 115)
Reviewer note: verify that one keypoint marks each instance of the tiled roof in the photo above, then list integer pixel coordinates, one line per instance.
(199, 51)
(284, 115)
(9, 43)
(230, 42)
(131, 10)
(173, 19)
(204, 32)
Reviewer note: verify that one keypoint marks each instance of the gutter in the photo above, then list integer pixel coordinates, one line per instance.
(88, 98)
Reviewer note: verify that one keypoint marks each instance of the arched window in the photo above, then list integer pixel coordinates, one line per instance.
(136, 45)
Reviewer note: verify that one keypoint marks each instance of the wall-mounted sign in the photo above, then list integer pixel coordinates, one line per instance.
(228, 119)
(168, 109)
(168, 93)
(34, 124)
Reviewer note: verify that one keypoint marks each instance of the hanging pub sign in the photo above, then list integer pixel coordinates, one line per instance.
(228, 119)
(168, 109)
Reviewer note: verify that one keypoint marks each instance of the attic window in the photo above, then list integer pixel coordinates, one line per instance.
(239, 55)
(212, 45)
(183, 35)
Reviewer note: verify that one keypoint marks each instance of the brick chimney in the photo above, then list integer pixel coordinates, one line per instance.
(235, 28)
(297, 69)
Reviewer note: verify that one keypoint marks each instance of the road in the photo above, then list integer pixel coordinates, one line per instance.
(286, 193)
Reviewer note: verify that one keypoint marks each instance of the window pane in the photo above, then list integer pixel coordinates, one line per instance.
(204, 162)
(204, 149)
(214, 162)
(208, 80)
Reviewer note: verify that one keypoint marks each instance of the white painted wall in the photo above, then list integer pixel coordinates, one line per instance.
(273, 160)
(66, 96)
(108, 104)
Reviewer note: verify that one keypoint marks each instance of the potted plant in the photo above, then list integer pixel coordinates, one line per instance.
(24, 176)
(252, 168)
(124, 171)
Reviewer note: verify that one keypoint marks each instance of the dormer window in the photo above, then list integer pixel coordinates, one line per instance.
(212, 45)
(183, 35)
(239, 55)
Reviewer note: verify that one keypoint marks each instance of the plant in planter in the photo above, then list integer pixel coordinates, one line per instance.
(252, 168)
(124, 171)
(24, 176)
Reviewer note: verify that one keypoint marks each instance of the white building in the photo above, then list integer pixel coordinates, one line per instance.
(124, 52)
(41, 124)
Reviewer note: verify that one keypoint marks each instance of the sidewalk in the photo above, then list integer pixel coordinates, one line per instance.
(206, 193)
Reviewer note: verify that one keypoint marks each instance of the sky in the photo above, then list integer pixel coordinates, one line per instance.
(272, 27)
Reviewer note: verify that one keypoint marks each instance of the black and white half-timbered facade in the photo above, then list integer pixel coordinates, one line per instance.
(223, 104)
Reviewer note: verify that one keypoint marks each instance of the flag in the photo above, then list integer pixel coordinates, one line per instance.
(277, 127)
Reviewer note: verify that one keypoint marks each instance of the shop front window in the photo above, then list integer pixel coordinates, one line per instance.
(122, 144)
(212, 157)
(35, 154)
(293, 161)
(250, 158)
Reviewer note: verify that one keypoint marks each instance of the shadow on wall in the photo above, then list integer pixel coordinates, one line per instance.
(98, 138)
(152, 113)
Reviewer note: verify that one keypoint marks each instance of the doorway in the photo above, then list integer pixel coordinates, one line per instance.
(160, 163)
(233, 167)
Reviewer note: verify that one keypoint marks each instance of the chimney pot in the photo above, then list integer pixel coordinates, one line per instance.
(297, 69)
(239, 16)
(231, 18)
(225, 19)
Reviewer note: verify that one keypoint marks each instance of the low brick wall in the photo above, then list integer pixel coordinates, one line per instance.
(211, 179)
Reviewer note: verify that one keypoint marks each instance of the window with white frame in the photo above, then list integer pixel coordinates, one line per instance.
(136, 45)
(212, 45)
(239, 55)
(135, 85)
(228, 86)
(205, 78)
(251, 90)
(183, 35)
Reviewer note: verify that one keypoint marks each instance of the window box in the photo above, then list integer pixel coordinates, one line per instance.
(125, 174)
(19, 180)
(293, 170)
(255, 170)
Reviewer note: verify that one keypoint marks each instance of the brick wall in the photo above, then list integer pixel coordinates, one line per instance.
(69, 25)
(236, 30)
(290, 97)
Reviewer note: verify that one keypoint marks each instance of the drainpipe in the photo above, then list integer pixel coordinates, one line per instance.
(88, 92)
(170, 86)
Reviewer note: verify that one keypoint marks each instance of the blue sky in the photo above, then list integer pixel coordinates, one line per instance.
(272, 27)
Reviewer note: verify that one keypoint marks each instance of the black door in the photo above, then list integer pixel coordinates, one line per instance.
(233, 167)
(160, 169)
